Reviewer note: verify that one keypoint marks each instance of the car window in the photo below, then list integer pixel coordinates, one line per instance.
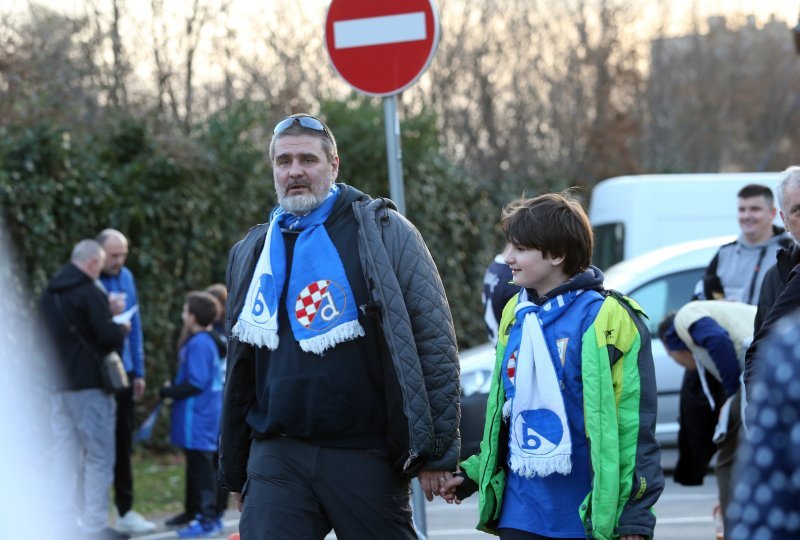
(609, 240)
(665, 294)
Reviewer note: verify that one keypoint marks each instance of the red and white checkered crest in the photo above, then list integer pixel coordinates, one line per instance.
(309, 300)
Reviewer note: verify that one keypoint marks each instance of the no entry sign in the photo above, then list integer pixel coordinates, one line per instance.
(381, 47)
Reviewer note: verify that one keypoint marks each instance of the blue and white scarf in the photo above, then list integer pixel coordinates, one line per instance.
(319, 302)
(540, 442)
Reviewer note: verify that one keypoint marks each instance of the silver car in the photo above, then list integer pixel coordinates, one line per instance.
(660, 281)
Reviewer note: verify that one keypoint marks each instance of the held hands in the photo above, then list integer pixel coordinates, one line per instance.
(430, 482)
(441, 483)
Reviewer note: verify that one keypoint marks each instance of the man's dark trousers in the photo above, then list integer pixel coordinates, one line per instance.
(300, 490)
(123, 475)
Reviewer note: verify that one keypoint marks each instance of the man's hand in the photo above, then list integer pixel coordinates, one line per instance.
(237, 497)
(631, 537)
(431, 482)
(138, 388)
(447, 490)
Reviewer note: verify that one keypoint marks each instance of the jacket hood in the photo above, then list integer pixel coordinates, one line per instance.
(347, 196)
(779, 235)
(68, 277)
(590, 279)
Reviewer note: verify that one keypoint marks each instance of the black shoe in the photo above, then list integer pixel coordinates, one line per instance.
(179, 520)
(106, 534)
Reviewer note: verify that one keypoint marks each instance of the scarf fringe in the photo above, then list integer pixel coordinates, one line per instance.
(255, 335)
(541, 466)
(507, 409)
(344, 332)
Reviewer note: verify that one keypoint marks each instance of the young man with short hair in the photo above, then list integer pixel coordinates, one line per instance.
(737, 270)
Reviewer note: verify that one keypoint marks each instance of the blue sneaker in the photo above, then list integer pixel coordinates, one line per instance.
(201, 527)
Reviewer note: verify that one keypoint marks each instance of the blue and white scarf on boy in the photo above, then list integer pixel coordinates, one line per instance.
(540, 442)
(319, 302)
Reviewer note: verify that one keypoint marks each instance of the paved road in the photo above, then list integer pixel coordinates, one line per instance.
(683, 514)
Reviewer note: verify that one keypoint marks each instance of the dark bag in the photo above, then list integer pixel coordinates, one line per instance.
(112, 370)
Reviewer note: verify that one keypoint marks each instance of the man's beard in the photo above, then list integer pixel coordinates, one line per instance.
(301, 203)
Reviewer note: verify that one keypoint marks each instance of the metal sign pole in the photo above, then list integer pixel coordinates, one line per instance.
(394, 155)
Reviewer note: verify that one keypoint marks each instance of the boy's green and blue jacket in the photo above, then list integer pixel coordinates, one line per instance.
(619, 404)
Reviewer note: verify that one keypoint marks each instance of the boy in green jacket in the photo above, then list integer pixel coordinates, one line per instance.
(569, 447)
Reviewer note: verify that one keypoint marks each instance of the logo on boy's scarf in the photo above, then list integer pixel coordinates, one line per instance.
(322, 302)
(538, 431)
(265, 297)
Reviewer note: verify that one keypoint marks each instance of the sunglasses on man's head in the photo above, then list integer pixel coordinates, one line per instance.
(305, 121)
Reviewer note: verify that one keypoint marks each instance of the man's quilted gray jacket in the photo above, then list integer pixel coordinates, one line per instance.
(418, 329)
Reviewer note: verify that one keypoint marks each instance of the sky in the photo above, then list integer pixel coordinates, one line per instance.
(787, 10)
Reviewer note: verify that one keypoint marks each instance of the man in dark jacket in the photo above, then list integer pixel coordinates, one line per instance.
(77, 314)
(780, 293)
(314, 442)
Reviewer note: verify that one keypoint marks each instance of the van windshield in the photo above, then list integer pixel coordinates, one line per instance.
(609, 243)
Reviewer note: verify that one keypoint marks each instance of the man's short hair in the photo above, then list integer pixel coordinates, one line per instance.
(203, 306)
(788, 178)
(85, 250)
(105, 234)
(555, 224)
(327, 138)
(756, 190)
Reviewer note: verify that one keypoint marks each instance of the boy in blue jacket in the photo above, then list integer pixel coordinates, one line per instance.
(196, 410)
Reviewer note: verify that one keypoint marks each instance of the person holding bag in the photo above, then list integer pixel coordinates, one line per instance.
(76, 313)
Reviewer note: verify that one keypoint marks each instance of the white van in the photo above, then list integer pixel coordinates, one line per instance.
(635, 214)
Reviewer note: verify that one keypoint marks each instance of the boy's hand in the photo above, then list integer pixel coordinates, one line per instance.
(447, 489)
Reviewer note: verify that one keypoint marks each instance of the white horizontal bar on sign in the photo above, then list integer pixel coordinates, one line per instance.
(379, 30)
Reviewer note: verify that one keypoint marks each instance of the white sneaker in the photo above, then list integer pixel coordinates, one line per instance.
(133, 523)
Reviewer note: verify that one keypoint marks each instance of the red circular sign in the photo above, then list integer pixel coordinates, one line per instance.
(381, 47)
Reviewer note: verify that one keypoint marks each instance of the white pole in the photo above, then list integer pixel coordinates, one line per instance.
(394, 155)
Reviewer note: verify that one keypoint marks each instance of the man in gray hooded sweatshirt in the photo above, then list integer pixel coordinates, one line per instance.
(737, 270)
